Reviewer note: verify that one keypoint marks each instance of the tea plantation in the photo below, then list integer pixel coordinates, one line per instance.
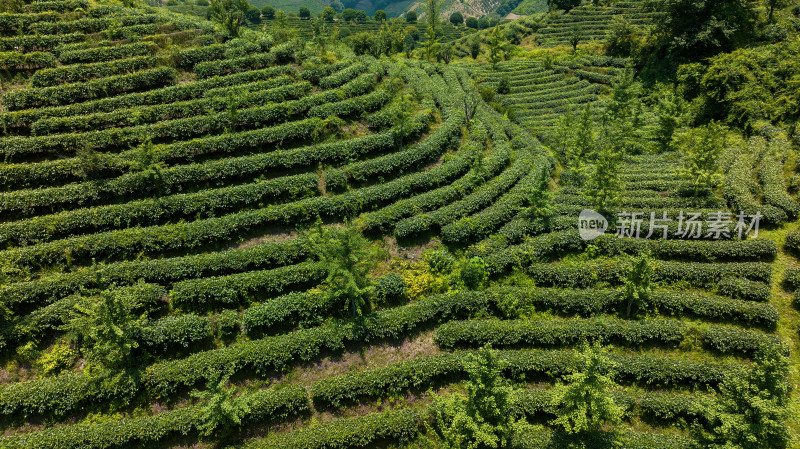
(220, 236)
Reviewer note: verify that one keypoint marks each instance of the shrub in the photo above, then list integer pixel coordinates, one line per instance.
(228, 323)
(474, 273)
(439, 259)
(793, 241)
(504, 85)
(744, 289)
(335, 180)
(390, 288)
(59, 358)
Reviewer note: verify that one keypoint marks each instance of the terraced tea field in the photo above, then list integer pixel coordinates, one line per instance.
(164, 189)
(592, 23)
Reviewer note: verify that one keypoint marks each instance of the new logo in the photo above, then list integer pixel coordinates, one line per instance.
(591, 224)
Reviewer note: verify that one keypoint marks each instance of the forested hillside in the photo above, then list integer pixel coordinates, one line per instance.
(243, 228)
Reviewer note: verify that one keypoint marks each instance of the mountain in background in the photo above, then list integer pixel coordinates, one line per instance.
(468, 8)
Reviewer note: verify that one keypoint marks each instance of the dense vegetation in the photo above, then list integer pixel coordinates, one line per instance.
(240, 227)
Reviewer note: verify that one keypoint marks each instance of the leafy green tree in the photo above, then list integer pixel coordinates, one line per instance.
(361, 16)
(320, 38)
(328, 14)
(253, 14)
(540, 200)
(409, 44)
(90, 162)
(700, 150)
(586, 404)
(561, 140)
(432, 44)
(483, 23)
(504, 85)
(106, 329)
(473, 273)
(751, 410)
(622, 125)
(696, 29)
(623, 37)
(574, 143)
(304, 13)
(433, 9)
(637, 289)
(221, 412)
(345, 252)
(268, 12)
(474, 46)
(483, 418)
(411, 17)
(457, 18)
(405, 110)
(604, 187)
(391, 37)
(280, 29)
(349, 15)
(575, 37)
(669, 110)
(472, 22)
(625, 94)
(499, 47)
(229, 13)
(364, 43)
(380, 15)
(146, 160)
(776, 4)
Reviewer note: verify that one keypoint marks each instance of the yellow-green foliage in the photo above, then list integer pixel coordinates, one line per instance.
(59, 358)
(421, 280)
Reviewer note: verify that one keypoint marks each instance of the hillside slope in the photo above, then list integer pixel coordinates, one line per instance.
(268, 242)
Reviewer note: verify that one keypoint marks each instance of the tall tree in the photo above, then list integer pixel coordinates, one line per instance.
(637, 289)
(474, 46)
(695, 29)
(700, 150)
(575, 38)
(580, 144)
(222, 411)
(433, 9)
(106, 329)
(540, 200)
(776, 4)
(751, 410)
(483, 418)
(669, 109)
(499, 47)
(229, 13)
(604, 186)
(585, 403)
(432, 44)
(345, 252)
(328, 14)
